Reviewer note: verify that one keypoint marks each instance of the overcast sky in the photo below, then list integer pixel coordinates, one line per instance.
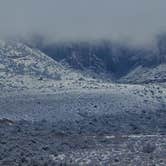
(84, 19)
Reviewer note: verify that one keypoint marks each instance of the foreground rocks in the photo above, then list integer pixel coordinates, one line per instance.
(32, 144)
(123, 126)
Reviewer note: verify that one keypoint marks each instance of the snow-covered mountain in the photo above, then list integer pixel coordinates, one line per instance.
(17, 58)
(19, 65)
(25, 68)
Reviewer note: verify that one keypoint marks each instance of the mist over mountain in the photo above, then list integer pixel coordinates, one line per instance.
(104, 56)
(135, 21)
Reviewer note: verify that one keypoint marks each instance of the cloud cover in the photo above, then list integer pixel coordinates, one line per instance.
(83, 19)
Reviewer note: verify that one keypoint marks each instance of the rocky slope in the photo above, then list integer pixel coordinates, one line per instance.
(24, 68)
(145, 75)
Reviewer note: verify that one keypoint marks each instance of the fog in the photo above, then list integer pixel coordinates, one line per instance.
(131, 20)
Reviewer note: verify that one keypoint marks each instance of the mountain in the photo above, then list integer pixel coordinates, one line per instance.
(17, 58)
(19, 65)
(120, 62)
(26, 68)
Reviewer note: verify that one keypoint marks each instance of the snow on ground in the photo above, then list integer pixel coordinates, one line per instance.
(121, 108)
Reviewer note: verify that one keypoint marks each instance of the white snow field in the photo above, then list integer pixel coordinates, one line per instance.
(51, 114)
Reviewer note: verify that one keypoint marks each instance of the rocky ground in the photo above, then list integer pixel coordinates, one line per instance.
(124, 125)
(26, 144)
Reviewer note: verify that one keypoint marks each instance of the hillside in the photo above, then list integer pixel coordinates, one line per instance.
(25, 68)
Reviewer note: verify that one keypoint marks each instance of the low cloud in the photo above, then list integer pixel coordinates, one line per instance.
(83, 19)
